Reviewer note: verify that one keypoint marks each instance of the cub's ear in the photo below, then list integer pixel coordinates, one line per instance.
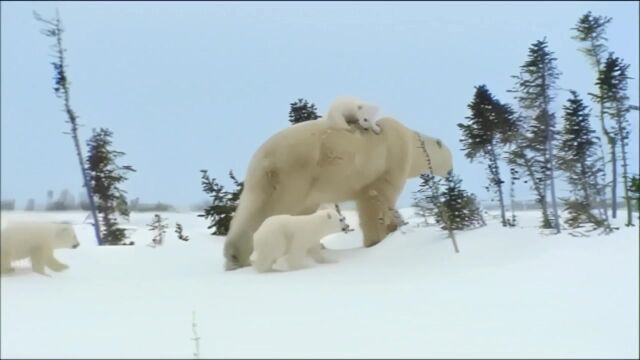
(329, 216)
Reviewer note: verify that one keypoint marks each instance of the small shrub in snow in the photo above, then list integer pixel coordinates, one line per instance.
(159, 227)
(180, 234)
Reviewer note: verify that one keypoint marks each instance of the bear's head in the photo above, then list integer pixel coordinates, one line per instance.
(65, 237)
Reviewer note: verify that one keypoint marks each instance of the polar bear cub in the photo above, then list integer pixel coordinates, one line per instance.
(346, 110)
(37, 241)
(294, 236)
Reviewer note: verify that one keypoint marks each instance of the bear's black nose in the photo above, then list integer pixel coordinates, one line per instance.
(75, 246)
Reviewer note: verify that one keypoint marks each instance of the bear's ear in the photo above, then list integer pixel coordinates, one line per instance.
(329, 216)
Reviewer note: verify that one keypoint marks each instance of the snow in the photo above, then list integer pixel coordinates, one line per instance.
(509, 293)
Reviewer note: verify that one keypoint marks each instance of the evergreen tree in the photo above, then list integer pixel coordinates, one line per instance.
(490, 127)
(223, 203)
(533, 91)
(458, 205)
(105, 177)
(612, 87)
(578, 159)
(159, 228)
(590, 31)
(179, 232)
(301, 110)
(427, 198)
(452, 207)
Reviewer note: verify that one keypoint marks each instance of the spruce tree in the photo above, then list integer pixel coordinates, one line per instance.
(105, 177)
(534, 92)
(426, 197)
(612, 87)
(458, 205)
(489, 129)
(578, 159)
(590, 31)
(223, 203)
(451, 207)
(301, 110)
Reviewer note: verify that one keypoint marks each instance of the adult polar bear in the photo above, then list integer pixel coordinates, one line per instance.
(312, 163)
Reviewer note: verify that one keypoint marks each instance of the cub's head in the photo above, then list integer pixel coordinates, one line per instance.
(354, 111)
(366, 114)
(65, 237)
(336, 219)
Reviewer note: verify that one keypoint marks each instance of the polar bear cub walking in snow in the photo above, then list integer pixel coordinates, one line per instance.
(37, 241)
(294, 236)
(346, 110)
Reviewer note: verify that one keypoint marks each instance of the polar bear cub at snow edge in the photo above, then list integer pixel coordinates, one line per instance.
(294, 236)
(346, 110)
(37, 241)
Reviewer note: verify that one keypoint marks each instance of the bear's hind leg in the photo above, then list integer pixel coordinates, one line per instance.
(5, 263)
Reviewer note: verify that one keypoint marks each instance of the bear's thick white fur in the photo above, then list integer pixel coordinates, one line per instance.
(294, 237)
(346, 110)
(37, 241)
(303, 166)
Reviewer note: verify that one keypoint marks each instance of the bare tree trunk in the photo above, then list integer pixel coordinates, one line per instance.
(497, 181)
(62, 85)
(625, 175)
(452, 236)
(554, 202)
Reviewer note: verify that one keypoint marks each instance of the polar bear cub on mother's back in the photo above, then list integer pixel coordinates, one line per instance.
(37, 241)
(347, 110)
(294, 236)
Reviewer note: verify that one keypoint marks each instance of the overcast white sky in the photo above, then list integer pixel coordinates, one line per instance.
(200, 85)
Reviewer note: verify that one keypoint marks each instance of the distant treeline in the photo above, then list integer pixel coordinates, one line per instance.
(67, 202)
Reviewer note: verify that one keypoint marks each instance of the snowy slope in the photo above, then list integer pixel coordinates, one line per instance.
(508, 293)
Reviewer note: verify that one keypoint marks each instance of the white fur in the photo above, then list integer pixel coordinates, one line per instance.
(293, 236)
(37, 241)
(345, 107)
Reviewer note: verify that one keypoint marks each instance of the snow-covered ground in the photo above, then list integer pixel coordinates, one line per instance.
(509, 293)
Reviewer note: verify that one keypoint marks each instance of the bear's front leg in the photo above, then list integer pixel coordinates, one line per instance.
(55, 265)
(296, 256)
(262, 263)
(369, 211)
(38, 260)
(318, 256)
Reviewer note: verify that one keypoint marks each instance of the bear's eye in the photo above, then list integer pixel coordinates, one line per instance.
(359, 107)
(366, 120)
